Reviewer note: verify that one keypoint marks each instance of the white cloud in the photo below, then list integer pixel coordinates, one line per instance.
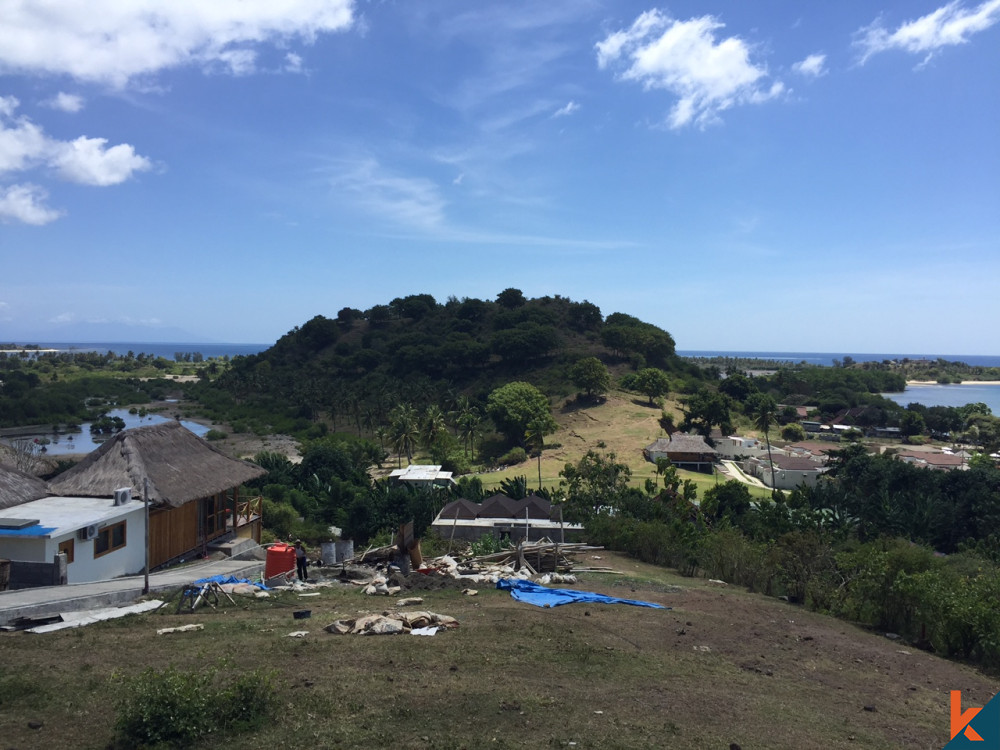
(683, 57)
(407, 201)
(114, 41)
(293, 63)
(569, 109)
(89, 161)
(66, 102)
(24, 145)
(949, 25)
(813, 66)
(26, 204)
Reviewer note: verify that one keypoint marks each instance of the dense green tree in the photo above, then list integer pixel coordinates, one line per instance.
(911, 424)
(591, 376)
(594, 485)
(730, 500)
(704, 410)
(737, 386)
(514, 406)
(511, 298)
(653, 382)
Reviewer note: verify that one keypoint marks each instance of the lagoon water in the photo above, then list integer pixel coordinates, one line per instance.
(64, 444)
(949, 395)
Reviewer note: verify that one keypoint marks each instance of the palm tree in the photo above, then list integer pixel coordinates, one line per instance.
(469, 428)
(534, 437)
(763, 411)
(434, 424)
(405, 431)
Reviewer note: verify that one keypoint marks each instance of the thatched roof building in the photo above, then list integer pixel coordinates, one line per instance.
(180, 466)
(17, 487)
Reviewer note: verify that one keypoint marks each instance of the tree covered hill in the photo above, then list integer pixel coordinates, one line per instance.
(357, 366)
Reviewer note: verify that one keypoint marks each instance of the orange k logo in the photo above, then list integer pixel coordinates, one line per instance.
(960, 720)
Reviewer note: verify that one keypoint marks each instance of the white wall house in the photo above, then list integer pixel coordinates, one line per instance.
(736, 446)
(789, 471)
(422, 475)
(101, 540)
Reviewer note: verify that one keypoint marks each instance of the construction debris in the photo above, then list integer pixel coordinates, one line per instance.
(527, 561)
(390, 623)
(79, 618)
(181, 629)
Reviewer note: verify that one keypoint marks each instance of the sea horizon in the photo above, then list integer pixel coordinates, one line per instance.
(222, 349)
(827, 359)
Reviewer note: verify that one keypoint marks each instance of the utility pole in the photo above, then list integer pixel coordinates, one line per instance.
(145, 501)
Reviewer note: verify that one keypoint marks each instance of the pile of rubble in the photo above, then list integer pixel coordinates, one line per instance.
(386, 571)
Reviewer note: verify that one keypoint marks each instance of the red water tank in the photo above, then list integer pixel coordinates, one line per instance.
(280, 560)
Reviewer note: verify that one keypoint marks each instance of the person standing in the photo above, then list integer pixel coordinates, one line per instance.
(301, 563)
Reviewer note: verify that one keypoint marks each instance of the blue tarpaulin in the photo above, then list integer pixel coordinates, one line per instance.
(220, 579)
(533, 593)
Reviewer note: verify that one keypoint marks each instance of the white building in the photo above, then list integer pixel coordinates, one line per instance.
(101, 540)
(422, 475)
(736, 446)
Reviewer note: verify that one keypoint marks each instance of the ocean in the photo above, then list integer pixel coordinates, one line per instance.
(826, 358)
(159, 350)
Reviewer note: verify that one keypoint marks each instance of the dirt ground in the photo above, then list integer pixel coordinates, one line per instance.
(721, 668)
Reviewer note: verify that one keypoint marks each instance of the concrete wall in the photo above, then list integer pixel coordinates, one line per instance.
(128, 560)
(26, 575)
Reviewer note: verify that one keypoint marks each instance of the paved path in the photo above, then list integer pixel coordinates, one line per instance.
(47, 600)
(734, 471)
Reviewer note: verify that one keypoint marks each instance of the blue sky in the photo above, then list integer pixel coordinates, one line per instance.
(756, 176)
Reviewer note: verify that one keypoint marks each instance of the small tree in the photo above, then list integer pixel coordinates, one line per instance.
(591, 376)
(653, 382)
(514, 406)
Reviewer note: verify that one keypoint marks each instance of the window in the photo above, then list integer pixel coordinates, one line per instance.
(109, 539)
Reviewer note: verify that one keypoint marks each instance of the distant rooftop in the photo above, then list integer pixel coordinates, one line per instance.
(421, 473)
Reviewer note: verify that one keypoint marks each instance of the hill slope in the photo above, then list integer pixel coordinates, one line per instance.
(721, 667)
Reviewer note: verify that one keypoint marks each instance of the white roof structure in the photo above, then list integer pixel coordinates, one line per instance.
(58, 516)
(422, 473)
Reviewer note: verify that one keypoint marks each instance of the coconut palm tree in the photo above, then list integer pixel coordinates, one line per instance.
(534, 438)
(763, 410)
(405, 431)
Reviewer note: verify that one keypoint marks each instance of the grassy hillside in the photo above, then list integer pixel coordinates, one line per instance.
(720, 667)
(623, 424)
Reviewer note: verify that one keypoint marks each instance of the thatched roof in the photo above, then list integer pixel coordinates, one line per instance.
(680, 443)
(17, 487)
(180, 466)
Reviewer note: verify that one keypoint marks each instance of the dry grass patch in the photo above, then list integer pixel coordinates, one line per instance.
(622, 424)
(722, 666)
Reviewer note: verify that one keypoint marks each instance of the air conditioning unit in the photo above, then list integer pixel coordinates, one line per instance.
(88, 532)
(123, 496)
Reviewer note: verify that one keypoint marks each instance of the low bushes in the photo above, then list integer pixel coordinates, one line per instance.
(947, 604)
(176, 708)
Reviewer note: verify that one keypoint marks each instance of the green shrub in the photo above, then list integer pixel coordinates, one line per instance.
(513, 456)
(176, 708)
(216, 435)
